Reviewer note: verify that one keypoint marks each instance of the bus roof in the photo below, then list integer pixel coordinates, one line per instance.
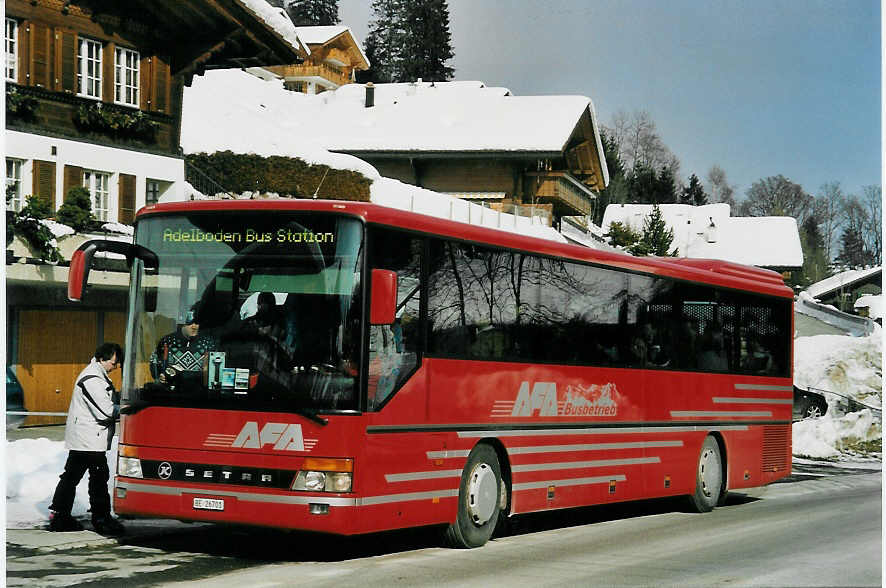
(710, 271)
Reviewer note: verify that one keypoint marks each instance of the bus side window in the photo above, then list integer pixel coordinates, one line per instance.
(393, 349)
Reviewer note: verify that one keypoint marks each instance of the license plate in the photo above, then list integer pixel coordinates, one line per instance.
(209, 504)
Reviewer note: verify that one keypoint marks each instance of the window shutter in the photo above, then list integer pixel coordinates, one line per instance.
(40, 41)
(144, 81)
(43, 187)
(24, 52)
(66, 44)
(126, 202)
(161, 84)
(108, 72)
(73, 177)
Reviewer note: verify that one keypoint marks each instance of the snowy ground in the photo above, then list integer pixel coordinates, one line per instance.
(845, 365)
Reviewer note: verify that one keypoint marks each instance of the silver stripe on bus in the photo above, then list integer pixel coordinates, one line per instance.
(446, 454)
(408, 477)
(720, 413)
(728, 400)
(407, 497)
(591, 447)
(244, 496)
(572, 465)
(764, 387)
(601, 431)
(568, 482)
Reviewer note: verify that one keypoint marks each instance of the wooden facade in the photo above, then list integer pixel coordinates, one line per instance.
(564, 182)
(332, 62)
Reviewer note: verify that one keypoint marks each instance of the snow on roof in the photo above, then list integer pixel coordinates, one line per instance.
(841, 280)
(277, 19)
(874, 304)
(231, 110)
(443, 116)
(772, 241)
(320, 35)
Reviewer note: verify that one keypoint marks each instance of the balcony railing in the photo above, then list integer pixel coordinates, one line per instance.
(568, 195)
(291, 72)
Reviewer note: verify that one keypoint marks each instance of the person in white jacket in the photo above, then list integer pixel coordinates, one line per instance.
(89, 430)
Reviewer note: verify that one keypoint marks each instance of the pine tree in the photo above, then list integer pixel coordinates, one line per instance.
(305, 13)
(429, 43)
(656, 238)
(622, 235)
(407, 40)
(694, 193)
(852, 249)
(815, 260)
(665, 191)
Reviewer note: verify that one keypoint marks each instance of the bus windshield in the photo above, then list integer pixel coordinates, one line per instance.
(249, 311)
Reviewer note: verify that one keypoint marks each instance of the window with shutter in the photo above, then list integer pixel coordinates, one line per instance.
(89, 70)
(14, 195)
(126, 77)
(98, 184)
(11, 45)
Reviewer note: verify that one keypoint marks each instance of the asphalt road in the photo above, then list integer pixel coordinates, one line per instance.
(821, 528)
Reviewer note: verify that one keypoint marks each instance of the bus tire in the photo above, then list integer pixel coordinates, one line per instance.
(478, 500)
(708, 477)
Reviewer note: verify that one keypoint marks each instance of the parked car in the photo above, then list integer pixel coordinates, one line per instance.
(808, 404)
(15, 398)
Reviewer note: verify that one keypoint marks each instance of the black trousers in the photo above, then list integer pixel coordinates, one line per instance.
(77, 465)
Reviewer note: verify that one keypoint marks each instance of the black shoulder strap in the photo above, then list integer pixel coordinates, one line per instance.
(88, 396)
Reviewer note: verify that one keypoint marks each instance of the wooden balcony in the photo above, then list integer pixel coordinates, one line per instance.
(568, 196)
(311, 70)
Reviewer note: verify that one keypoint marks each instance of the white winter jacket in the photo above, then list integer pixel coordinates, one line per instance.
(84, 430)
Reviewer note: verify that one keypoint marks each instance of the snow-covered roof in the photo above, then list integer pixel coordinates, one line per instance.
(769, 241)
(841, 280)
(874, 304)
(277, 20)
(407, 117)
(320, 35)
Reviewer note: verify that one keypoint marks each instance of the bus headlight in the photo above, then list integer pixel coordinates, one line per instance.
(324, 475)
(131, 467)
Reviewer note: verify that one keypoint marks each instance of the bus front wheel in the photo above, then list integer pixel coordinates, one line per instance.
(708, 477)
(478, 500)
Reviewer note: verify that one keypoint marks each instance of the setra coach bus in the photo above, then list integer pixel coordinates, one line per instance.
(347, 368)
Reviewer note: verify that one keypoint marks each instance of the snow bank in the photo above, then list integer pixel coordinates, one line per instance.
(32, 470)
(835, 437)
(850, 366)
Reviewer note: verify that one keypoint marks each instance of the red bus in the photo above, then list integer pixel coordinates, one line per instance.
(358, 368)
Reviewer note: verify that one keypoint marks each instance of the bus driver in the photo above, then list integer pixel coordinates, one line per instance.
(183, 350)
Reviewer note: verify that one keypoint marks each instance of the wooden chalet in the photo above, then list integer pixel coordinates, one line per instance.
(335, 57)
(94, 98)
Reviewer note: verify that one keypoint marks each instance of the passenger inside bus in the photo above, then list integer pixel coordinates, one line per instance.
(713, 350)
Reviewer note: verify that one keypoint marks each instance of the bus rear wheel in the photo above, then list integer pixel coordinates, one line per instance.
(479, 500)
(708, 477)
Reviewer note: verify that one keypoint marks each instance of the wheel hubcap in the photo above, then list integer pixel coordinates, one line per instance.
(482, 493)
(709, 473)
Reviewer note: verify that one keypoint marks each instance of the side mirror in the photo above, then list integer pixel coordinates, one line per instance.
(81, 262)
(383, 303)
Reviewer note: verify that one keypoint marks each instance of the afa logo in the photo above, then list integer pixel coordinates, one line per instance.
(542, 399)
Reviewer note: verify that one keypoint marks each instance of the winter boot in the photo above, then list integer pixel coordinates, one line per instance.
(108, 526)
(62, 522)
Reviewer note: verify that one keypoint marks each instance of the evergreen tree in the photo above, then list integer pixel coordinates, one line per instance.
(622, 235)
(428, 43)
(617, 191)
(694, 193)
(306, 13)
(852, 250)
(656, 238)
(665, 187)
(815, 259)
(76, 212)
(407, 40)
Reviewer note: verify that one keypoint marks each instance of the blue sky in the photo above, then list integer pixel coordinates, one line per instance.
(757, 87)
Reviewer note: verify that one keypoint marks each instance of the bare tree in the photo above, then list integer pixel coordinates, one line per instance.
(777, 196)
(718, 187)
(639, 143)
(827, 209)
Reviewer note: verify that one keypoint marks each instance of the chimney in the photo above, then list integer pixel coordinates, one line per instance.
(370, 95)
